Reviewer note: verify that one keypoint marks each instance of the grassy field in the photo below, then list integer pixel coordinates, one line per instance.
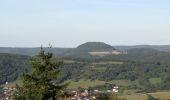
(88, 83)
(107, 62)
(104, 53)
(165, 95)
(84, 84)
(71, 61)
(135, 97)
(95, 63)
(121, 82)
(140, 96)
(155, 81)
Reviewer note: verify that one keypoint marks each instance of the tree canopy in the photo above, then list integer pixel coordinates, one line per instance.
(40, 84)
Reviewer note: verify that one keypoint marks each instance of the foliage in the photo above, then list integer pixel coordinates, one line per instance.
(137, 74)
(12, 65)
(40, 84)
(107, 96)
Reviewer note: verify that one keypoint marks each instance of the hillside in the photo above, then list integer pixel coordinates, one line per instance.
(12, 66)
(140, 68)
(92, 49)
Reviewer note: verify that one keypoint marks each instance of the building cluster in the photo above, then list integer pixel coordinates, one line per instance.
(7, 93)
(86, 95)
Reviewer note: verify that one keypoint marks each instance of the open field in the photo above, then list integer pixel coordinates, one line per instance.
(155, 81)
(140, 96)
(107, 62)
(84, 84)
(121, 82)
(88, 83)
(95, 63)
(104, 53)
(135, 97)
(165, 95)
(71, 61)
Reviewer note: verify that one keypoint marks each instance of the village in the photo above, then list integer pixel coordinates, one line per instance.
(77, 94)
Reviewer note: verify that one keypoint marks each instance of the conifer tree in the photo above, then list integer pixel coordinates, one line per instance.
(40, 84)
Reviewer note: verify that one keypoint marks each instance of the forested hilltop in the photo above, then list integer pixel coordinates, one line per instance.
(135, 68)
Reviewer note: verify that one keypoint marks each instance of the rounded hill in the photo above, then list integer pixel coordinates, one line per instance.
(95, 46)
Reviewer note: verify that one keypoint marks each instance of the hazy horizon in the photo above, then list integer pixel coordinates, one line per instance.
(32, 23)
(79, 44)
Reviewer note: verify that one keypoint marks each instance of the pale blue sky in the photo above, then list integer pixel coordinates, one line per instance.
(68, 23)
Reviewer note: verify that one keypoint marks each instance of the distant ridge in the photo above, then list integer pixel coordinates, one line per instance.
(156, 47)
(83, 49)
(31, 51)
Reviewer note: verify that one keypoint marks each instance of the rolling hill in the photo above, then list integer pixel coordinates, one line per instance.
(143, 68)
(95, 46)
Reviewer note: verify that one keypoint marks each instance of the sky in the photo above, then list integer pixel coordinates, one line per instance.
(68, 23)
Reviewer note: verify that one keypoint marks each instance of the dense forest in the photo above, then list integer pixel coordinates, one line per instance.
(143, 68)
(140, 74)
(12, 66)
